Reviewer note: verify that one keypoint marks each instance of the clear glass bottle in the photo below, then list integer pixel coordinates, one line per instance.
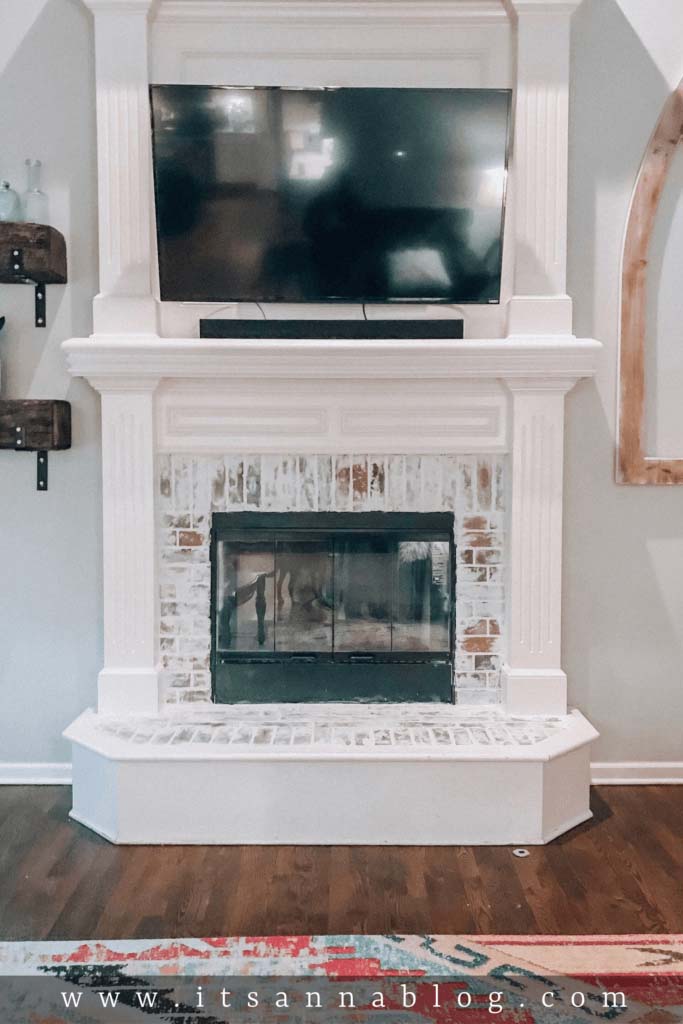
(34, 200)
(9, 202)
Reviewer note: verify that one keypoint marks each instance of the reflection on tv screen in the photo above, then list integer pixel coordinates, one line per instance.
(360, 195)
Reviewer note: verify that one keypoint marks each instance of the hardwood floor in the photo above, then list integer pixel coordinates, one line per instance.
(621, 872)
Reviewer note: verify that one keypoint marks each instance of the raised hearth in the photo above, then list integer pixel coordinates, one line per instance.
(322, 774)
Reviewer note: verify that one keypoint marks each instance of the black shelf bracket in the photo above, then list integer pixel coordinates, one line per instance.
(41, 458)
(41, 476)
(18, 270)
(41, 305)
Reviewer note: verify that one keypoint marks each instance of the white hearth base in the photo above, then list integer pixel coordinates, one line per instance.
(331, 774)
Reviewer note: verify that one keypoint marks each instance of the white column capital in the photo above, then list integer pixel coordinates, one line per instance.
(124, 384)
(555, 385)
(543, 6)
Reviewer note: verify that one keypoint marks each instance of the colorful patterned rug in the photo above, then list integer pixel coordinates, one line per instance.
(397, 979)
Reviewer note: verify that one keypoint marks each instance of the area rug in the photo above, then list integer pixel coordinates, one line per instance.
(398, 979)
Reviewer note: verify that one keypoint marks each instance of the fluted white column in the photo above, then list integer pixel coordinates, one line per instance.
(539, 167)
(129, 680)
(533, 680)
(125, 302)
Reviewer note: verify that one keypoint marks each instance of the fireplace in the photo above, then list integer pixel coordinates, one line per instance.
(196, 431)
(326, 606)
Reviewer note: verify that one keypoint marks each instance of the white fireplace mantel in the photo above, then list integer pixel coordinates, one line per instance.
(164, 390)
(311, 396)
(552, 359)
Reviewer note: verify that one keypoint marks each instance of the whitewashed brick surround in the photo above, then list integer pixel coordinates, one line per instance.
(191, 488)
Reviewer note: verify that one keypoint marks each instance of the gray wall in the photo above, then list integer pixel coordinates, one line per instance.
(50, 544)
(623, 548)
(623, 583)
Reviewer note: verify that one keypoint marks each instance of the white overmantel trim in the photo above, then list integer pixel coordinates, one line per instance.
(538, 192)
(414, 11)
(557, 362)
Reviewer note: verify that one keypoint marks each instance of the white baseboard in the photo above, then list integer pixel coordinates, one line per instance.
(637, 773)
(614, 773)
(39, 773)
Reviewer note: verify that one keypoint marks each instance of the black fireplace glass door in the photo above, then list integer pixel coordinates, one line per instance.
(332, 606)
(364, 581)
(423, 602)
(304, 595)
(245, 612)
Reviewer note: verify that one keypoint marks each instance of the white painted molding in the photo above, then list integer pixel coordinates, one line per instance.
(327, 417)
(329, 45)
(134, 690)
(195, 61)
(603, 773)
(135, 6)
(637, 773)
(534, 691)
(533, 675)
(564, 359)
(38, 773)
(124, 167)
(544, 6)
(540, 155)
(130, 673)
(424, 12)
(539, 314)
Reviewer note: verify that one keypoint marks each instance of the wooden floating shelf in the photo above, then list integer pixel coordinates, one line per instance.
(32, 254)
(43, 252)
(32, 425)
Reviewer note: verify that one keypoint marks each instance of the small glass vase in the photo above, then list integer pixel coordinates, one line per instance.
(10, 209)
(35, 204)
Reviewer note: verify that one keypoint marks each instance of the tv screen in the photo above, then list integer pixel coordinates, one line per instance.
(316, 195)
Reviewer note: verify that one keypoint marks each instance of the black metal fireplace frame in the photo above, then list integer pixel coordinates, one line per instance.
(238, 677)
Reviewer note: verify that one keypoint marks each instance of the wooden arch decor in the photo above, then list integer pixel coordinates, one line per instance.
(633, 466)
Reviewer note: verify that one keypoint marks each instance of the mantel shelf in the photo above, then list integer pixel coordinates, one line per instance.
(149, 358)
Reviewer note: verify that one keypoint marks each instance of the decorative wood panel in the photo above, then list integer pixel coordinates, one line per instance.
(338, 43)
(633, 465)
(323, 417)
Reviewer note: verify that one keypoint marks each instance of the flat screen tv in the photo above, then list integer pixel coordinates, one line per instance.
(330, 195)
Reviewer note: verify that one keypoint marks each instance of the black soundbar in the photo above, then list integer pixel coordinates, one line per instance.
(367, 330)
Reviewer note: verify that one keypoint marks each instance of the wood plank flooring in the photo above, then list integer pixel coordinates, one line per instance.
(622, 872)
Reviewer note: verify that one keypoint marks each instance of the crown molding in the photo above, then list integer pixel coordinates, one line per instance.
(328, 11)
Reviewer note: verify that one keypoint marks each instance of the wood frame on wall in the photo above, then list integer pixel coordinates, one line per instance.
(633, 466)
